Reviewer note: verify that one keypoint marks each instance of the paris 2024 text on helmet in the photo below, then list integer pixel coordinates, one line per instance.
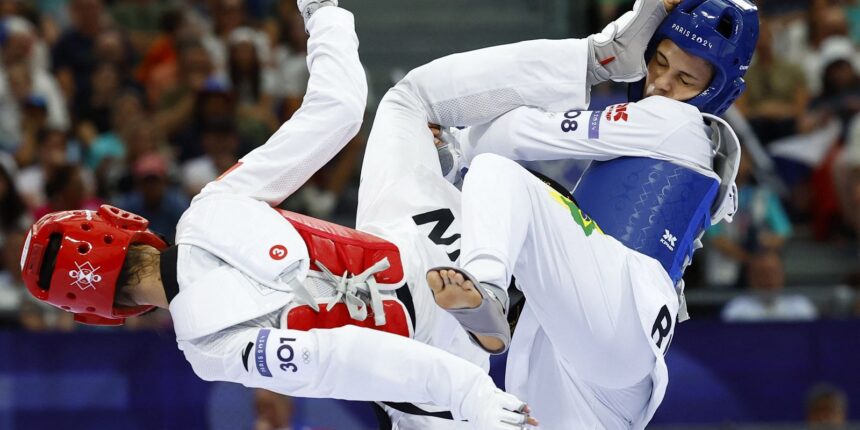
(722, 32)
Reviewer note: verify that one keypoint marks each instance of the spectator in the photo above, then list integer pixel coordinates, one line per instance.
(65, 190)
(253, 84)
(74, 55)
(23, 44)
(158, 66)
(34, 119)
(14, 221)
(214, 103)
(141, 18)
(51, 150)
(766, 301)
(776, 96)
(175, 109)
(111, 46)
(846, 178)
(220, 142)
(153, 198)
(826, 408)
(321, 196)
(228, 16)
(274, 411)
(13, 210)
(802, 41)
(289, 58)
(761, 223)
(840, 85)
(106, 84)
(20, 86)
(138, 138)
(11, 284)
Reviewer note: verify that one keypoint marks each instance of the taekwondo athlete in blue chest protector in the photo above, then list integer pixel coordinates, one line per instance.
(601, 270)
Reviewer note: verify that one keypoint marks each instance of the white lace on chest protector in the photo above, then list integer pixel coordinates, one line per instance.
(355, 291)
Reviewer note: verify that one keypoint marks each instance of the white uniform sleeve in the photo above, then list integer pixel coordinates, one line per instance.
(330, 115)
(459, 90)
(655, 127)
(474, 87)
(349, 363)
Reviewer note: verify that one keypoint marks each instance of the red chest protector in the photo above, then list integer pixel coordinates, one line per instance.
(344, 250)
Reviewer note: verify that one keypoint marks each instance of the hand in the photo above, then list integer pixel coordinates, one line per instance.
(450, 156)
(619, 49)
(490, 408)
(437, 134)
(670, 4)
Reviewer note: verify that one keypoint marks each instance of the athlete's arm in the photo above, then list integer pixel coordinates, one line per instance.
(655, 127)
(474, 87)
(349, 363)
(329, 117)
(463, 89)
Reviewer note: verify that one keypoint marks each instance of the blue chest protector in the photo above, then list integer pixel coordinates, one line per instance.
(652, 206)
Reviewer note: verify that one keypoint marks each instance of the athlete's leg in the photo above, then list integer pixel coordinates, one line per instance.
(400, 144)
(576, 279)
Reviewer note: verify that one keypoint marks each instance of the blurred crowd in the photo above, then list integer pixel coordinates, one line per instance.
(799, 182)
(139, 104)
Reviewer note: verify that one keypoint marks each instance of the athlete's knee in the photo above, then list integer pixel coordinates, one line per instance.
(495, 167)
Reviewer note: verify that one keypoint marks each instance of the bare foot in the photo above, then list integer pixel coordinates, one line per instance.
(452, 291)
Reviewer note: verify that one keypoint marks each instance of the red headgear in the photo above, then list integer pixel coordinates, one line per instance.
(80, 270)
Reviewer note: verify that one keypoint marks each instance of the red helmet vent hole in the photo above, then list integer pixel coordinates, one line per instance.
(108, 239)
(115, 210)
(71, 296)
(125, 214)
(83, 248)
(86, 226)
(65, 308)
(91, 309)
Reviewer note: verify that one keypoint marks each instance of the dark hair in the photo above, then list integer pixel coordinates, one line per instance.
(60, 179)
(139, 261)
(12, 207)
(44, 132)
(254, 77)
(170, 20)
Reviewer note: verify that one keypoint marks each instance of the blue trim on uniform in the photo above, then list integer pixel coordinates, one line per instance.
(260, 353)
(594, 125)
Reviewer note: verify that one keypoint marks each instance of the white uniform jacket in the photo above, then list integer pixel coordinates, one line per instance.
(234, 250)
(528, 101)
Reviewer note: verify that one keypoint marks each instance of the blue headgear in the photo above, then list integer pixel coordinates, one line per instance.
(723, 32)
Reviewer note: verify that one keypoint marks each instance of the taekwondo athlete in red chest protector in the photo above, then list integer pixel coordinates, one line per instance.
(263, 297)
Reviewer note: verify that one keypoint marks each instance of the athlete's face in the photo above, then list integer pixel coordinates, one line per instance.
(676, 74)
